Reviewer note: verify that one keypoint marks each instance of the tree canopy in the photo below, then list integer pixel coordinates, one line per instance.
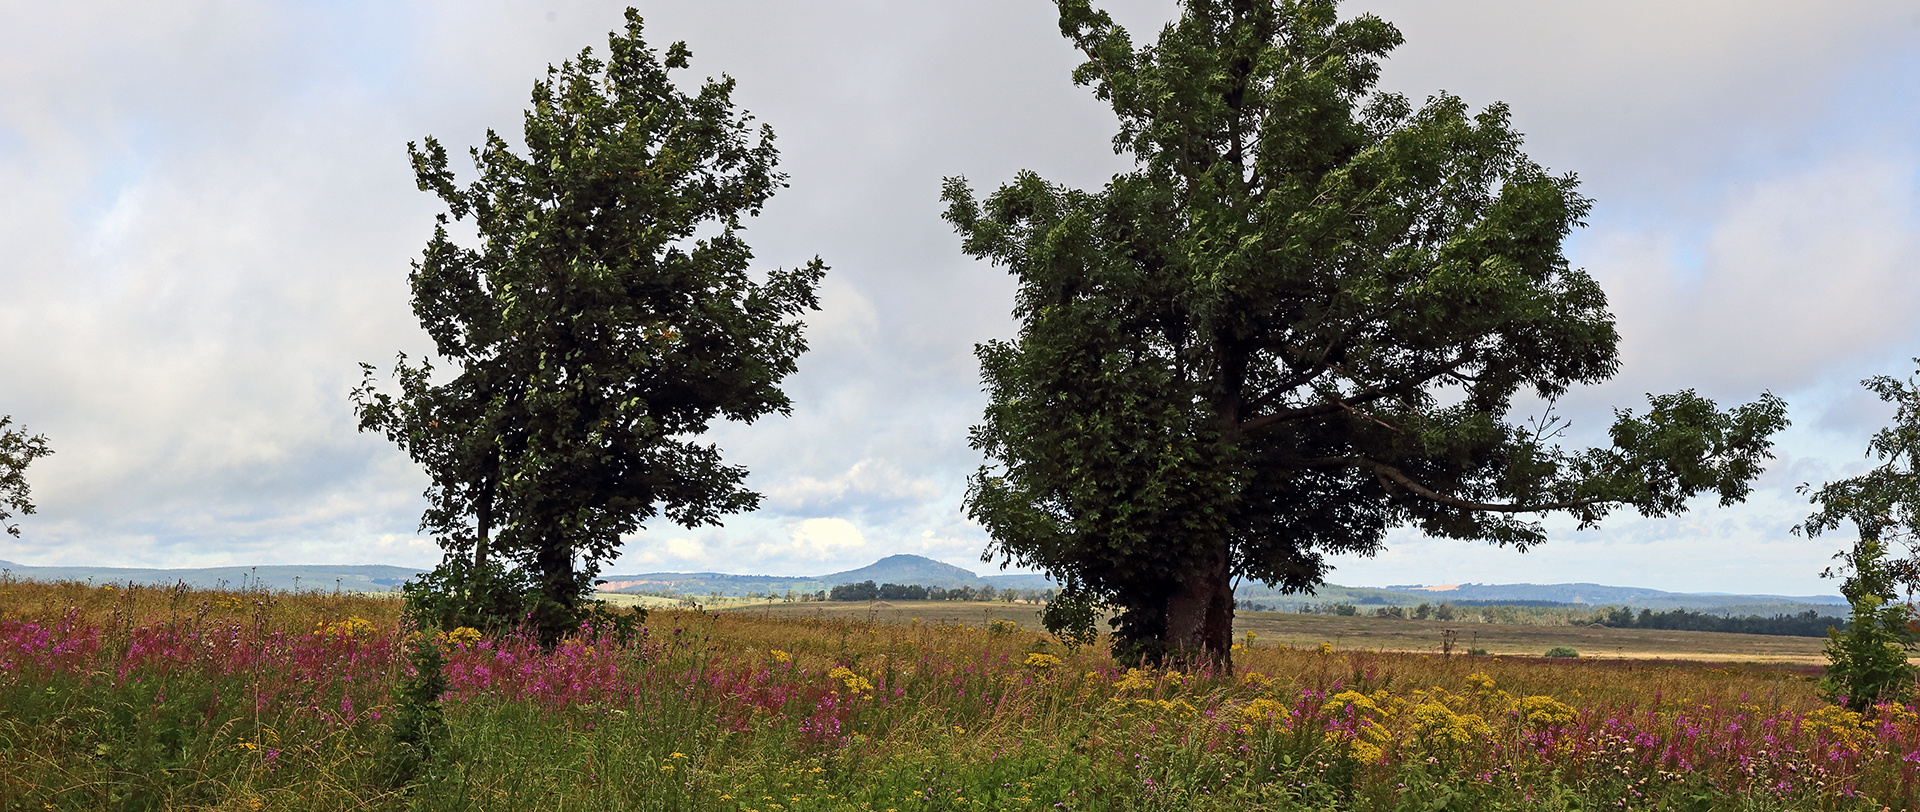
(602, 320)
(1883, 503)
(1303, 318)
(18, 449)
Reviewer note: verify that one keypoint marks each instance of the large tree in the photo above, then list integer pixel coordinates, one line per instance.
(602, 317)
(1301, 320)
(18, 449)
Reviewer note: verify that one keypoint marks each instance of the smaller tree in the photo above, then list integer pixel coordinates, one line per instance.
(1867, 663)
(603, 319)
(17, 451)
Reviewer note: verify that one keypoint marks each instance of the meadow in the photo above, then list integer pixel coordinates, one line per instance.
(1373, 633)
(141, 698)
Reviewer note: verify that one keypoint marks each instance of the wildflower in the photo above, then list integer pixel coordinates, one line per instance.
(678, 755)
(1041, 662)
(1437, 724)
(1134, 679)
(855, 683)
(1326, 647)
(1264, 709)
(780, 657)
(1544, 711)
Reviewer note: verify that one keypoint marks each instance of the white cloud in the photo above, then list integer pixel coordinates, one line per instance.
(868, 480)
(686, 549)
(817, 540)
(1795, 273)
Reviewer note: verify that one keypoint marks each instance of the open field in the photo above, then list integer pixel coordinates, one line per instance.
(157, 699)
(1372, 633)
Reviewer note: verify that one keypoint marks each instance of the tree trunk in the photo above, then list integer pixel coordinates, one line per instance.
(1200, 617)
(559, 591)
(485, 517)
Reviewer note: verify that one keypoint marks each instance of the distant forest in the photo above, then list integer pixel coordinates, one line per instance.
(1804, 624)
(868, 591)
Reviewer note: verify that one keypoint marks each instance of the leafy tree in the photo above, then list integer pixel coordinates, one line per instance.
(1300, 320)
(1868, 661)
(17, 451)
(603, 319)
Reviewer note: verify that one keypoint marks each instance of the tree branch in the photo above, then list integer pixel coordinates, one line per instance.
(1335, 404)
(1398, 477)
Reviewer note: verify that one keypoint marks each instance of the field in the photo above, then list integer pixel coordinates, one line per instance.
(173, 699)
(1372, 633)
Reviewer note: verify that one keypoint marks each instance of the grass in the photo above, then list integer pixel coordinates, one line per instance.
(1374, 633)
(174, 699)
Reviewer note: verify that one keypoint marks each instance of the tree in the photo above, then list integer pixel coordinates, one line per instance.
(1868, 661)
(17, 451)
(1301, 319)
(604, 320)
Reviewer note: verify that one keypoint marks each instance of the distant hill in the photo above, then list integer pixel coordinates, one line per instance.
(349, 578)
(894, 569)
(908, 569)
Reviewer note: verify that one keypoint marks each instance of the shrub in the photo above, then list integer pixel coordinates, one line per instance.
(1867, 663)
(1563, 651)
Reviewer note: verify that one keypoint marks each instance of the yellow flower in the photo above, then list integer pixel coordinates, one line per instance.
(1544, 711)
(678, 755)
(780, 657)
(1437, 724)
(855, 683)
(1360, 702)
(1041, 662)
(1326, 648)
(1264, 709)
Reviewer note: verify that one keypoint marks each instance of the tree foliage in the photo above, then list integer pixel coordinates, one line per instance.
(603, 317)
(1868, 661)
(17, 450)
(1301, 319)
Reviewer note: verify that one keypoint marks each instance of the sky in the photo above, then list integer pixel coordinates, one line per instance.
(207, 219)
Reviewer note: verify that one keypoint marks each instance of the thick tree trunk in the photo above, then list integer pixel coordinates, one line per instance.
(558, 586)
(1200, 617)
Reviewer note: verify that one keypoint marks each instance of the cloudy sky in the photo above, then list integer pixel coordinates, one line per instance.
(206, 220)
